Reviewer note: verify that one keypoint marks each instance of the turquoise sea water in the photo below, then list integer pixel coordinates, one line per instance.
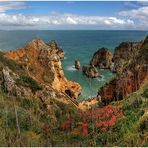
(76, 45)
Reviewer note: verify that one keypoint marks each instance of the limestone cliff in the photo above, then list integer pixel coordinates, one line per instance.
(131, 65)
(42, 62)
(124, 54)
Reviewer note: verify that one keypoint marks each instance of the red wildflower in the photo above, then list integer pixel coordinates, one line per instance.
(84, 119)
(84, 130)
(112, 121)
(98, 123)
(103, 129)
(105, 124)
(116, 111)
(66, 124)
(119, 114)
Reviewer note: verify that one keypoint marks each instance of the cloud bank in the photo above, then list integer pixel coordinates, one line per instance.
(61, 19)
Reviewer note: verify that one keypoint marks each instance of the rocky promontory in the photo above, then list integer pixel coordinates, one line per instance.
(131, 65)
(42, 62)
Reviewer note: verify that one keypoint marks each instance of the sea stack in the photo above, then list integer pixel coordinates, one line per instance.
(77, 64)
(90, 71)
(102, 58)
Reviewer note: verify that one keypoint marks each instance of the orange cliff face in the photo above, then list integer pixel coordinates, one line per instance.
(43, 63)
(131, 74)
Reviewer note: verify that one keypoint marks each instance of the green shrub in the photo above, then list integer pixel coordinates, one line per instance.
(27, 103)
(145, 93)
(10, 63)
(30, 82)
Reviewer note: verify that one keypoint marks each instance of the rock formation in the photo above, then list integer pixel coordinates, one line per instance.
(9, 83)
(102, 58)
(90, 71)
(42, 63)
(77, 64)
(124, 54)
(131, 65)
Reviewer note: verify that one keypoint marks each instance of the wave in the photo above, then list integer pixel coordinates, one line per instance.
(71, 68)
(101, 79)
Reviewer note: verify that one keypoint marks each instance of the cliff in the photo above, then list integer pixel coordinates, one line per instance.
(42, 62)
(131, 65)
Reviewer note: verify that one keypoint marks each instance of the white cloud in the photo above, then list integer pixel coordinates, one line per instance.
(131, 4)
(140, 17)
(4, 6)
(136, 13)
(61, 19)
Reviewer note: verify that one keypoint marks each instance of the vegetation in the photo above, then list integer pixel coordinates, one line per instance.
(10, 63)
(28, 81)
(115, 124)
(122, 123)
(38, 126)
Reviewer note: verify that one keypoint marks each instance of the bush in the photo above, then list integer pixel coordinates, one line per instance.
(27, 103)
(30, 82)
(10, 63)
(145, 93)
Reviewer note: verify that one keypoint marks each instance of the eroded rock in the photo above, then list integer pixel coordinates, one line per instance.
(102, 58)
(131, 65)
(77, 64)
(43, 63)
(90, 71)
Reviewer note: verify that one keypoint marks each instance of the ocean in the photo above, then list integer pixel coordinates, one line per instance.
(77, 44)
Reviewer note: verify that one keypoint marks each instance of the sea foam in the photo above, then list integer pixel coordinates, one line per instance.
(71, 68)
(101, 79)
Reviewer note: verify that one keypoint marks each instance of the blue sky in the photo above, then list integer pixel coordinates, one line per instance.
(74, 15)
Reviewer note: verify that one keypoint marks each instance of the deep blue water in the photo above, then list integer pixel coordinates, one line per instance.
(76, 44)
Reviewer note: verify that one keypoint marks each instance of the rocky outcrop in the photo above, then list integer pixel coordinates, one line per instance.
(102, 58)
(77, 64)
(55, 49)
(124, 54)
(131, 76)
(42, 62)
(10, 86)
(90, 71)
(88, 104)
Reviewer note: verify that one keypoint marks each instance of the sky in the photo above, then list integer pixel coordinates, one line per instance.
(74, 15)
